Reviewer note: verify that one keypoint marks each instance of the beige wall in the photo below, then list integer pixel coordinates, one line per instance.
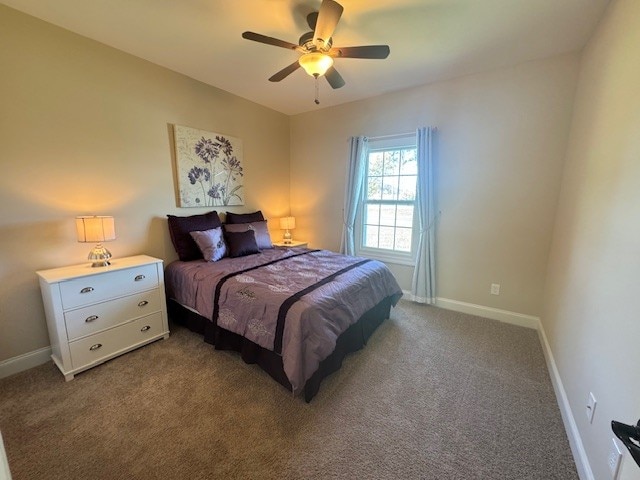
(85, 129)
(592, 300)
(499, 154)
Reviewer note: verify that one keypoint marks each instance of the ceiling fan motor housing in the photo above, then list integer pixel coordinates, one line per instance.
(306, 42)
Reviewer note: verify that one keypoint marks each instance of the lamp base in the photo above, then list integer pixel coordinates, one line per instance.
(100, 256)
(104, 263)
(286, 238)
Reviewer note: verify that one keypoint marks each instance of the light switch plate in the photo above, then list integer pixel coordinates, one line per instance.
(591, 407)
(614, 458)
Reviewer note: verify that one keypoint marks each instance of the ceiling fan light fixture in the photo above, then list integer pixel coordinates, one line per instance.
(316, 64)
(316, 47)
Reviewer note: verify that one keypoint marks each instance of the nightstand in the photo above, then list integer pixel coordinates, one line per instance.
(294, 243)
(96, 314)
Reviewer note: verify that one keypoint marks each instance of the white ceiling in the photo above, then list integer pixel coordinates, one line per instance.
(430, 40)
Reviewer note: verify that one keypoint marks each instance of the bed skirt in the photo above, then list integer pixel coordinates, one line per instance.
(351, 340)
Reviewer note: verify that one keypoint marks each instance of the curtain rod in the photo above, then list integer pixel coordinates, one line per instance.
(396, 135)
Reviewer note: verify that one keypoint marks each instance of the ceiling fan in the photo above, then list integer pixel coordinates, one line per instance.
(317, 47)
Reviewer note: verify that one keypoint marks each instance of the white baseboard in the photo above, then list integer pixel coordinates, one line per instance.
(506, 316)
(25, 361)
(5, 473)
(575, 441)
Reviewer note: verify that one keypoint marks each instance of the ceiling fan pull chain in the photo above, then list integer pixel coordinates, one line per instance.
(317, 100)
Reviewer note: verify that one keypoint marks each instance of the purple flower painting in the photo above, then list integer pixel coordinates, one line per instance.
(209, 168)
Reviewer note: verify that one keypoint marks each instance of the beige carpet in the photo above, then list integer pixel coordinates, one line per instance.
(434, 395)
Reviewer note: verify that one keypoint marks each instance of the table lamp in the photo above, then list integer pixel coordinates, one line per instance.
(287, 224)
(96, 229)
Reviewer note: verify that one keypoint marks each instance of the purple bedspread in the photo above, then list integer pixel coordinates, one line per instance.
(295, 302)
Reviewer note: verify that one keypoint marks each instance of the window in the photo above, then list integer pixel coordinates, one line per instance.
(386, 224)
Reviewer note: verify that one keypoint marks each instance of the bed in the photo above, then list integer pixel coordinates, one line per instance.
(295, 312)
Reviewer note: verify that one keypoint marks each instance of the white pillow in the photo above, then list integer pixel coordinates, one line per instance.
(211, 244)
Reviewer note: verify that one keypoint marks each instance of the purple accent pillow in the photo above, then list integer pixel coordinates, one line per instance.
(211, 244)
(180, 227)
(263, 239)
(244, 217)
(240, 244)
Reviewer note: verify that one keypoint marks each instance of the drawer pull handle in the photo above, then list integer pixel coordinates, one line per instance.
(145, 328)
(91, 318)
(86, 290)
(143, 303)
(139, 277)
(95, 347)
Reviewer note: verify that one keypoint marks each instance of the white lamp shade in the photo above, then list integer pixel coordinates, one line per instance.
(287, 223)
(315, 63)
(95, 229)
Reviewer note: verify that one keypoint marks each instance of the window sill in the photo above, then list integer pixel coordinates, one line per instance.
(409, 262)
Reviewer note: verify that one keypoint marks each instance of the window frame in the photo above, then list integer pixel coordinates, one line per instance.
(396, 142)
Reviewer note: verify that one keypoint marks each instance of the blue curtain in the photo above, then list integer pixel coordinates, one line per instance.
(423, 286)
(355, 177)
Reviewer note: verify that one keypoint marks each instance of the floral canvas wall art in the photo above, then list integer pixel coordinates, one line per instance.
(209, 168)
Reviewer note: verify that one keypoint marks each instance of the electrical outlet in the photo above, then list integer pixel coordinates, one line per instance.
(495, 289)
(591, 407)
(614, 458)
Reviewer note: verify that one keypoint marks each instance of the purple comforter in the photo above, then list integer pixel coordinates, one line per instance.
(295, 302)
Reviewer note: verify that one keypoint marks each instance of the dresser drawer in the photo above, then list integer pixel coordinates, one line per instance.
(94, 318)
(104, 344)
(97, 288)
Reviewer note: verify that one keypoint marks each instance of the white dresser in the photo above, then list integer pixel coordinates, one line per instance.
(95, 314)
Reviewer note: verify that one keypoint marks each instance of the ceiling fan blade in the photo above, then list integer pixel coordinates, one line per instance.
(328, 17)
(368, 51)
(285, 72)
(334, 78)
(256, 37)
(312, 20)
